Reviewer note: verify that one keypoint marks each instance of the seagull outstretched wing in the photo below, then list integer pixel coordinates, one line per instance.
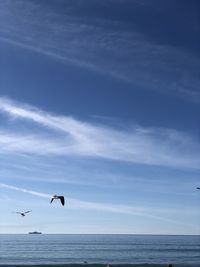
(27, 211)
(62, 200)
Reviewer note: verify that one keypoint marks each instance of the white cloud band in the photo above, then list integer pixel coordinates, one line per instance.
(152, 146)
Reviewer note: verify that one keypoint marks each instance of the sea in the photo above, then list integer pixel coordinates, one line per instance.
(99, 250)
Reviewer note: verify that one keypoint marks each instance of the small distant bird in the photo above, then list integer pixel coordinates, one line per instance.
(23, 213)
(62, 199)
(198, 188)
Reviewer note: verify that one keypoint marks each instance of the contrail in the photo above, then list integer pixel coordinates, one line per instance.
(25, 190)
(57, 56)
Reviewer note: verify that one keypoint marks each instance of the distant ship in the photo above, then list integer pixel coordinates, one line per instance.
(34, 233)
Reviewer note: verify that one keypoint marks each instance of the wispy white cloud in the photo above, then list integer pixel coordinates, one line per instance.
(152, 146)
(33, 144)
(105, 46)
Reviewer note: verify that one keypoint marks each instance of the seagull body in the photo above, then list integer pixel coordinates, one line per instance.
(62, 199)
(198, 188)
(23, 213)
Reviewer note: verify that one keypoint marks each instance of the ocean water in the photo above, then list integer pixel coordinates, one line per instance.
(155, 250)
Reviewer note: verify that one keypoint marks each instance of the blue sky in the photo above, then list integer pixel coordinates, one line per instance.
(100, 102)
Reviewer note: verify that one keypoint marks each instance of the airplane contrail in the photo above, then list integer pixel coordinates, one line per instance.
(25, 190)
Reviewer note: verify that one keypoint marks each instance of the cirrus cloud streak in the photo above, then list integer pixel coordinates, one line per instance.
(66, 136)
(115, 48)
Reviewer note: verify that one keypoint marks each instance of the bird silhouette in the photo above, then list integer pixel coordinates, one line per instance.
(198, 188)
(62, 199)
(23, 213)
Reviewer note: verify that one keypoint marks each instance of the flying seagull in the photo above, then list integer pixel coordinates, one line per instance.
(62, 199)
(23, 213)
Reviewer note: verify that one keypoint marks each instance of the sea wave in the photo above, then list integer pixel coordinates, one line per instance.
(103, 265)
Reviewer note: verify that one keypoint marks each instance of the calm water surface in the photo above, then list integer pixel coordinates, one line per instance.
(113, 249)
